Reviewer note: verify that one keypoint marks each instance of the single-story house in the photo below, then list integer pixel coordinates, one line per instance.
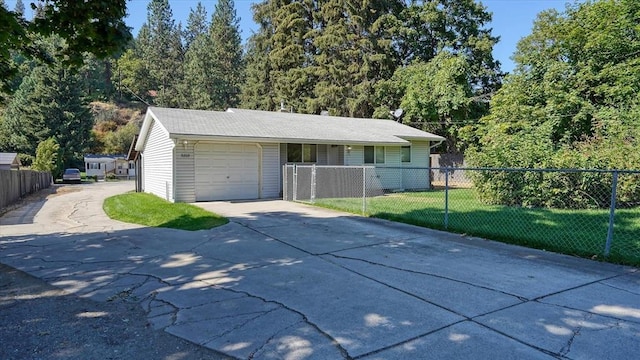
(196, 155)
(9, 161)
(101, 165)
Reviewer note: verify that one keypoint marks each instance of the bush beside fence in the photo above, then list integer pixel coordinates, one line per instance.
(16, 184)
(595, 215)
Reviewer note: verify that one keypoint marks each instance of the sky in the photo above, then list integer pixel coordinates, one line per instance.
(512, 19)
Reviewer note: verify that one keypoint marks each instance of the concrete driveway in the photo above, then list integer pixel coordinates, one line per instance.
(288, 281)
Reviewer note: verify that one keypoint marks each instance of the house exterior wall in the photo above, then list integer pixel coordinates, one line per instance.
(393, 173)
(271, 171)
(185, 171)
(158, 163)
(418, 176)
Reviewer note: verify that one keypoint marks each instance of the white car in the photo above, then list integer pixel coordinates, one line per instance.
(71, 175)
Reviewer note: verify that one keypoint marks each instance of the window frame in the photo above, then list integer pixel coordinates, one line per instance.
(305, 149)
(402, 153)
(376, 160)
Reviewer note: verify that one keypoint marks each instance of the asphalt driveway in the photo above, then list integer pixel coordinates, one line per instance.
(289, 281)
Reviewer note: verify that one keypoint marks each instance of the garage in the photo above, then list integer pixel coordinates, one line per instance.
(226, 171)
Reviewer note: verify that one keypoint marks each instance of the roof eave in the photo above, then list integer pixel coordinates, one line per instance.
(196, 137)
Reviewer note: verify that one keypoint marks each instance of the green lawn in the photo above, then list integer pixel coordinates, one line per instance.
(150, 210)
(575, 232)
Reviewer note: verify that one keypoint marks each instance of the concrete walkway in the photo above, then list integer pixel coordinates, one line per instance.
(288, 281)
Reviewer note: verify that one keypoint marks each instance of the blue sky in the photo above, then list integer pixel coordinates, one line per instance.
(512, 19)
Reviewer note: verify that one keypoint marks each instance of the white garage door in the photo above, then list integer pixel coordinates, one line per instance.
(227, 171)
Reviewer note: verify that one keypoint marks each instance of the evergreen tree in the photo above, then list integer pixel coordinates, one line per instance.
(226, 56)
(160, 47)
(197, 25)
(198, 74)
(49, 103)
(19, 9)
(257, 90)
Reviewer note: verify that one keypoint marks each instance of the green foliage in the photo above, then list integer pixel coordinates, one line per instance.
(87, 26)
(119, 141)
(47, 104)
(132, 76)
(150, 210)
(435, 95)
(341, 56)
(47, 157)
(159, 46)
(213, 62)
(571, 103)
(227, 69)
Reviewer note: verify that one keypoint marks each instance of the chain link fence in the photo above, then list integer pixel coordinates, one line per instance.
(589, 213)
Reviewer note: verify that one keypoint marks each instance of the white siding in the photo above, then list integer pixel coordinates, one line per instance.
(355, 156)
(158, 163)
(185, 172)
(390, 173)
(420, 152)
(271, 171)
(417, 178)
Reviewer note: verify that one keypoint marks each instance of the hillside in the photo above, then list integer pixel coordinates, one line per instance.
(115, 124)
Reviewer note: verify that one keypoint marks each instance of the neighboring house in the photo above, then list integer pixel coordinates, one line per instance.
(9, 161)
(133, 156)
(195, 155)
(101, 165)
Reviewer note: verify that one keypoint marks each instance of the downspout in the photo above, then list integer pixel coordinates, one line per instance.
(436, 144)
(260, 170)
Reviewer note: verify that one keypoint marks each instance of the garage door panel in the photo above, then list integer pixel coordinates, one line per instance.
(227, 171)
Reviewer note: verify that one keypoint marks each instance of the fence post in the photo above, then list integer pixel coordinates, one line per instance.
(285, 186)
(295, 183)
(612, 211)
(364, 190)
(313, 183)
(446, 198)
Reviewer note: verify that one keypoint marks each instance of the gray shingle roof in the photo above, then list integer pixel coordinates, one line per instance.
(8, 158)
(285, 127)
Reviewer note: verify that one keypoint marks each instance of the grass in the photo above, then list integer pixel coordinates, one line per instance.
(575, 232)
(150, 210)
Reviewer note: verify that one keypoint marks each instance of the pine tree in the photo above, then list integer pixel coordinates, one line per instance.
(197, 25)
(19, 9)
(227, 64)
(49, 103)
(257, 90)
(160, 47)
(198, 78)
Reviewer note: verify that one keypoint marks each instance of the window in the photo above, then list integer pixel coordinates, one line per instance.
(379, 154)
(297, 153)
(93, 166)
(405, 154)
(294, 152)
(132, 165)
(374, 154)
(369, 154)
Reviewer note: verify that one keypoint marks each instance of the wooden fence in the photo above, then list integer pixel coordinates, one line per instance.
(16, 184)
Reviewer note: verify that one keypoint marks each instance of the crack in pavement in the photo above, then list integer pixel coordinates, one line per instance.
(521, 298)
(576, 331)
(340, 348)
